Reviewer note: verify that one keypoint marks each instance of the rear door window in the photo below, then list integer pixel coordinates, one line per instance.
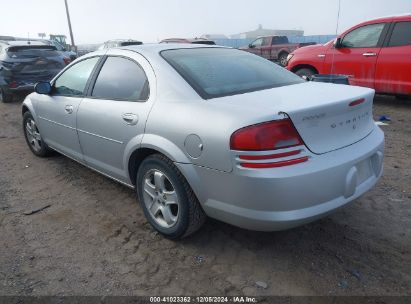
(364, 37)
(121, 79)
(401, 34)
(73, 81)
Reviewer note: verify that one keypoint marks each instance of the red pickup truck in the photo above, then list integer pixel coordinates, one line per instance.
(374, 54)
(275, 48)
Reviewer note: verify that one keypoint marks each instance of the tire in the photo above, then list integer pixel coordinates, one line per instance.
(282, 59)
(33, 137)
(168, 201)
(305, 72)
(5, 97)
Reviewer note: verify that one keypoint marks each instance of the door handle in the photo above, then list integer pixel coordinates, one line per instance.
(130, 118)
(369, 54)
(68, 109)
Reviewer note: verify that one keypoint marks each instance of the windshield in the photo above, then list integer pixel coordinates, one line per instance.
(217, 72)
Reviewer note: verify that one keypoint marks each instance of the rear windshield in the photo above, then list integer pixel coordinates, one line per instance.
(209, 42)
(32, 51)
(217, 72)
(128, 43)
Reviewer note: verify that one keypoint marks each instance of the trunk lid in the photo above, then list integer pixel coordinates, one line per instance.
(320, 112)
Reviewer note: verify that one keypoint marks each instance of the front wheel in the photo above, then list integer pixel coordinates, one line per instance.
(33, 137)
(282, 59)
(168, 201)
(305, 73)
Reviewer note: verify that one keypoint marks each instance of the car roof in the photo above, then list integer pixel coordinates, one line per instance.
(24, 42)
(158, 47)
(402, 17)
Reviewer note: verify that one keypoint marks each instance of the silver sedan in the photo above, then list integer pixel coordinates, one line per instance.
(210, 131)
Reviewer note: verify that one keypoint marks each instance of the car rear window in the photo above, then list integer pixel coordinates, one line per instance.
(217, 72)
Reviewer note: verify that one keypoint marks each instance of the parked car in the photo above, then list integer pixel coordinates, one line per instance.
(118, 43)
(189, 40)
(23, 63)
(375, 54)
(62, 49)
(206, 130)
(275, 48)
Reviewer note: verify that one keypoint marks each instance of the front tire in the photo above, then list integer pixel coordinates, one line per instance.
(282, 59)
(33, 137)
(168, 201)
(305, 73)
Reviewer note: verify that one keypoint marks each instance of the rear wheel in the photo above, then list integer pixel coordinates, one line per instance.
(305, 72)
(282, 59)
(33, 137)
(167, 199)
(5, 97)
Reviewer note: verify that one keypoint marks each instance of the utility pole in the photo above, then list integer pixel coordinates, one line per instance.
(69, 24)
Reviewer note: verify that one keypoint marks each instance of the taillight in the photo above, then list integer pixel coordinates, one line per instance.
(270, 135)
(67, 60)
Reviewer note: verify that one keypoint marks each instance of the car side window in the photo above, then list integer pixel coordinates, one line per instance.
(363, 37)
(266, 41)
(401, 34)
(121, 79)
(73, 81)
(257, 42)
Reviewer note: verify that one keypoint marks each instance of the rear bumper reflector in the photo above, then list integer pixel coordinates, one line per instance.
(275, 164)
(356, 102)
(271, 156)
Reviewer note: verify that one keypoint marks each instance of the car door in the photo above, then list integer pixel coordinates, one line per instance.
(57, 112)
(114, 113)
(394, 61)
(266, 48)
(357, 54)
(255, 46)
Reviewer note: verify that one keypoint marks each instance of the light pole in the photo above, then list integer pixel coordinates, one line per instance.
(69, 24)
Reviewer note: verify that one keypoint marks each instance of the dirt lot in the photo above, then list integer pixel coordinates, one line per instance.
(94, 240)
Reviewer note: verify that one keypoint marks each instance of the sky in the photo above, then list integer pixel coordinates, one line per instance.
(95, 21)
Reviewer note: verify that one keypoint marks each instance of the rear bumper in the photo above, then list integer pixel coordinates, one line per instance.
(282, 198)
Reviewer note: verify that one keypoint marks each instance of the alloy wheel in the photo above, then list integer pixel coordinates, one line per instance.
(33, 135)
(160, 198)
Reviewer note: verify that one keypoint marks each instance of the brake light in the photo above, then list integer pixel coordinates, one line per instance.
(67, 60)
(270, 135)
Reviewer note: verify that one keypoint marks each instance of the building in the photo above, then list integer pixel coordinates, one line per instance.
(260, 31)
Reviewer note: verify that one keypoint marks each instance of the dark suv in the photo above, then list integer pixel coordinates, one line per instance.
(24, 63)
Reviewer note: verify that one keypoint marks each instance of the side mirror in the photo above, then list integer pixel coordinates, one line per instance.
(338, 43)
(251, 46)
(43, 87)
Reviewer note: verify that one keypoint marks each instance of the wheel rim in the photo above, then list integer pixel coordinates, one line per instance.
(283, 60)
(160, 198)
(33, 135)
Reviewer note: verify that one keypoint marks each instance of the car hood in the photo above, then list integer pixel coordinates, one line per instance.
(310, 49)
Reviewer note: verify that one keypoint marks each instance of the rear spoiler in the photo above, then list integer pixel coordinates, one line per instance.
(31, 47)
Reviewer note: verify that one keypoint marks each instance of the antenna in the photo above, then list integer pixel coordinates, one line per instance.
(336, 34)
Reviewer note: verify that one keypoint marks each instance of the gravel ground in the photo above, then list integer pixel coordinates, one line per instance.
(93, 238)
